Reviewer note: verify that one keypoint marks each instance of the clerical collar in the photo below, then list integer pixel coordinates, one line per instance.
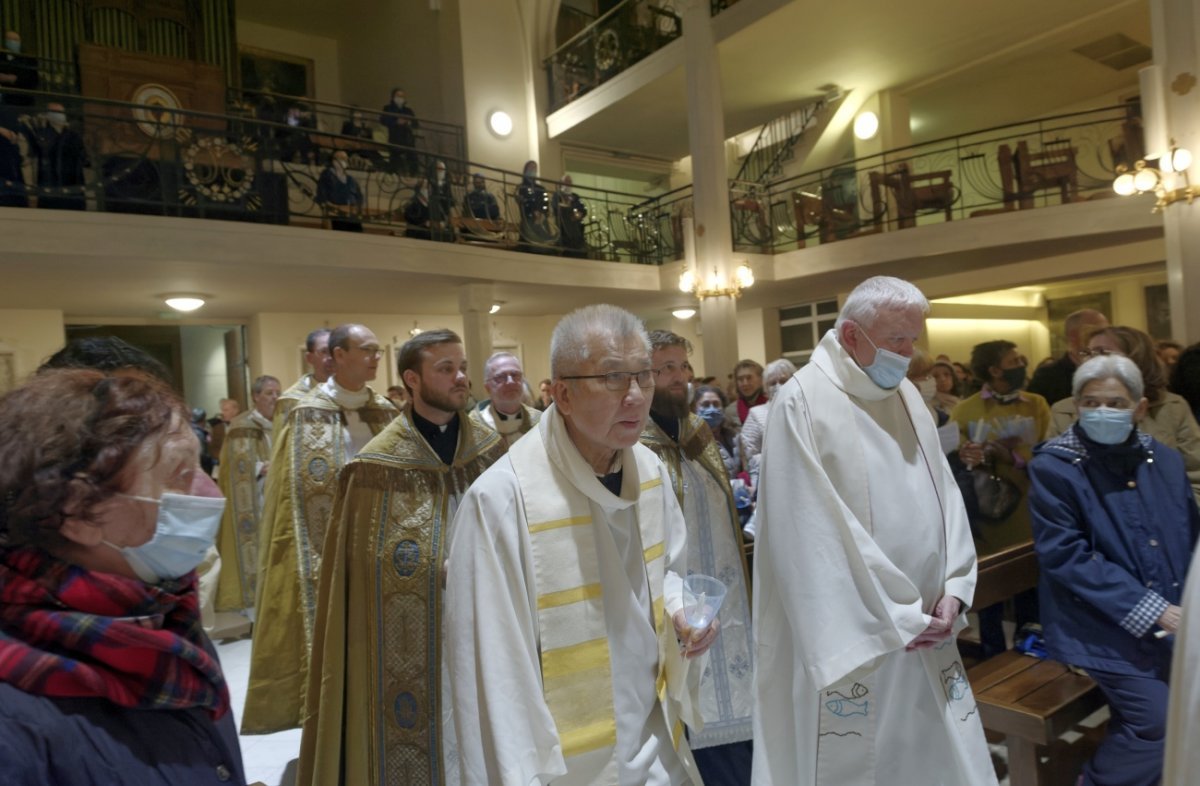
(520, 413)
(667, 423)
(346, 399)
(443, 439)
(612, 482)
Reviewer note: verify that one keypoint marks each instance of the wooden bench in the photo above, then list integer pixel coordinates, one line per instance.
(1032, 702)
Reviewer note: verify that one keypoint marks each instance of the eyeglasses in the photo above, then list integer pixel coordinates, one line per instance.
(1095, 353)
(375, 352)
(619, 380)
(514, 376)
(671, 367)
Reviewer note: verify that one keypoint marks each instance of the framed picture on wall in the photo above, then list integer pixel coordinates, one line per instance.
(275, 72)
(1158, 312)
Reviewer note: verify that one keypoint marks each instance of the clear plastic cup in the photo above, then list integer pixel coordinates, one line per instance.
(702, 599)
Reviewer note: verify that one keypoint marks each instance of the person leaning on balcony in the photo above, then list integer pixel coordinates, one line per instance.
(479, 203)
(1168, 419)
(17, 71)
(570, 212)
(1053, 382)
(12, 176)
(401, 122)
(536, 235)
(338, 193)
(61, 160)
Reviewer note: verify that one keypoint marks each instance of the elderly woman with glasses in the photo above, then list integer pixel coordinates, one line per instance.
(1114, 526)
(1168, 417)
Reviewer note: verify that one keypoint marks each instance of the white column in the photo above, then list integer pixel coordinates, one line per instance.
(475, 303)
(1175, 28)
(710, 186)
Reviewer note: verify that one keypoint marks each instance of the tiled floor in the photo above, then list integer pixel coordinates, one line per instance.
(266, 756)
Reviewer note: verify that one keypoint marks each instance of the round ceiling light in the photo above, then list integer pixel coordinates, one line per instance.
(866, 125)
(500, 122)
(684, 313)
(184, 302)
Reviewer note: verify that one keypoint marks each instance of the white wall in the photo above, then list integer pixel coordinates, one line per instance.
(322, 51)
(30, 335)
(205, 381)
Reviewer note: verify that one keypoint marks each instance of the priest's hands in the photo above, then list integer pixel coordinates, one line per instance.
(940, 627)
(694, 643)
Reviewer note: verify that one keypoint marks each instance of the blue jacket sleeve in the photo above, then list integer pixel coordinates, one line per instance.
(1065, 553)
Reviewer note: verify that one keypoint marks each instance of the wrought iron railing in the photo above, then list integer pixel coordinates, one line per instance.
(432, 137)
(717, 6)
(618, 39)
(1067, 158)
(150, 160)
(776, 143)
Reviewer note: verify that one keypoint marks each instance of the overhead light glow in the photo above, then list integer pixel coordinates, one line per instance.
(866, 125)
(684, 313)
(495, 307)
(500, 122)
(184, 303)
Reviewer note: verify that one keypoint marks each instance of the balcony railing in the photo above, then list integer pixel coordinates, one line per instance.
(150, 160)
(1068, 158)
(614, 42)
(433, 137)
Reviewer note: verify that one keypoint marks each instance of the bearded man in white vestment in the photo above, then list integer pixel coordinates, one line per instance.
(864, 568)
(564, 598)
(1182, 766)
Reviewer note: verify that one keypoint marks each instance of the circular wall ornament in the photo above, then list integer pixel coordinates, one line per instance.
(217, 169)
(154, 115)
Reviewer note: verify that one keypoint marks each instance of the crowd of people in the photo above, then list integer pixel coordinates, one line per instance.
(442, 589)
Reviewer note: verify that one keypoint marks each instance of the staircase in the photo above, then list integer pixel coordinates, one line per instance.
(776, 144)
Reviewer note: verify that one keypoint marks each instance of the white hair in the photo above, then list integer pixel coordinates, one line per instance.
(1103, 367)
(571, 342)
(880, 293)
(779, 367)
(490, 363)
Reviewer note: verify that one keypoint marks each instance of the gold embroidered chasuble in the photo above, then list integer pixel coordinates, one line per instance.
(375, 709)
(715, 548)
(247, 446)
(306, 459)
(289, 398)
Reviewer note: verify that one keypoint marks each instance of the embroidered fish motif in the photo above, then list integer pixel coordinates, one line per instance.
(955, 682)
(845, 708)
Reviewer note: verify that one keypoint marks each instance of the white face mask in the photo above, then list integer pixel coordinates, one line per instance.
(928, 388)
(184, 531)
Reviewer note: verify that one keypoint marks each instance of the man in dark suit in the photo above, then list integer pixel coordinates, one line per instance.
(1053, 382)
(17, 71)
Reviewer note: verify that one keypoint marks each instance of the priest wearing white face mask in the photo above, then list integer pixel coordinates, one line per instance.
(104, 667)
(323, 432)
(864, 567)
(1114, 524)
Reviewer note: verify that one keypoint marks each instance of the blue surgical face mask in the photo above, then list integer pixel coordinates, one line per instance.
(713, 416)
(12, 46)
(184, 531)
(1106, 425)
(889, 369)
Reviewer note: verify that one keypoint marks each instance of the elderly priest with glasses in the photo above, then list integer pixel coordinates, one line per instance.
(571, 659)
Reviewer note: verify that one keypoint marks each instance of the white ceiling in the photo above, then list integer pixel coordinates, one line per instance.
(963, 66)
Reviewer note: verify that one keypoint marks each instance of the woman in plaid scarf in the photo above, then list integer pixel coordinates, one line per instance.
(105, 673)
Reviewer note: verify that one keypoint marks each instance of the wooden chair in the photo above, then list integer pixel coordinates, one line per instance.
(1008, 184)
(832, 222)
(1053, 167)
(916, 193)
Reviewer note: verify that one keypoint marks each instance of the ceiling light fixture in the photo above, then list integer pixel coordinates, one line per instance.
(495, 308)
(866, 125)
(184, 301)
(684, 313)
(1161, 180)
(500, 123)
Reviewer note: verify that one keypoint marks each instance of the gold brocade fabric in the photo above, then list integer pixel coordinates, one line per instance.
(305, 463)
(237, 541)
(288, 399)
(374, 714)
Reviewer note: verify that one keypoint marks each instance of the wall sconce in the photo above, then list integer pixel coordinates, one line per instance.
(866, 125)
(416, 330)
(1160, 180)
(715, 284)
(500, 123)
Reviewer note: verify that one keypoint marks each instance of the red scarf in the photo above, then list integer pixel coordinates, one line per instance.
(743, 407)
(70, 632)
